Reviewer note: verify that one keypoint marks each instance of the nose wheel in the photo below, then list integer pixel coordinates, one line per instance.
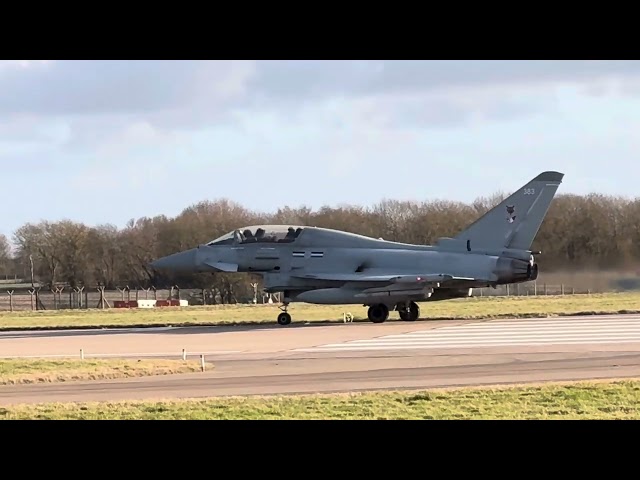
(284, 318)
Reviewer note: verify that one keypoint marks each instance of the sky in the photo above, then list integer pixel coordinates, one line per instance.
(106, 141)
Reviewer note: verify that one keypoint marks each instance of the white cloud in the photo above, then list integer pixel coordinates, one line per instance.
(23, 64)
(200, 129)
(99, 99)
(122, 87)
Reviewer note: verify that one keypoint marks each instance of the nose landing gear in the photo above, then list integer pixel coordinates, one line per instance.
(284, 318)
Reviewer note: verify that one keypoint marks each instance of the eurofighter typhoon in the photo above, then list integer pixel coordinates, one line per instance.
(324, 266)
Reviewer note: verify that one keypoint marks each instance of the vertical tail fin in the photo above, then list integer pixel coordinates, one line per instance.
(515, 222)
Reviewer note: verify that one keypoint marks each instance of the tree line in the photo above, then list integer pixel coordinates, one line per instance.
(579, 232)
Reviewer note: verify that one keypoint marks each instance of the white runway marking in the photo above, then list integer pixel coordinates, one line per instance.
(500, 334)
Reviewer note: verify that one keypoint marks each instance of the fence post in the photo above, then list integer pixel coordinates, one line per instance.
(255, 292)
(10, 300)
(39, 304)
(32, 292)
(103, 300)
(79, 292)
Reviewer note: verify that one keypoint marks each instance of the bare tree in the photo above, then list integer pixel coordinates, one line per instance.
(5, 256)
(579, 232)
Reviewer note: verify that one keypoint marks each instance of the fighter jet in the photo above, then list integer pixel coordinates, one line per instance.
(324, 266)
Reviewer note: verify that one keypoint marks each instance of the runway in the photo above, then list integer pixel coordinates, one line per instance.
(500, 333)
(341, 357)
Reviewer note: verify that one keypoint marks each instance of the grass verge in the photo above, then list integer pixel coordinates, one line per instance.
(467, 308)
(593, 400)
(18, 371)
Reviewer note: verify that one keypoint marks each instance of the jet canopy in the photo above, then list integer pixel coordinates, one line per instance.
(259, 234)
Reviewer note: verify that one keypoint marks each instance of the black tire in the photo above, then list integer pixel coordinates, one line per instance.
(284, 318)
(378, 313)
(411, 314)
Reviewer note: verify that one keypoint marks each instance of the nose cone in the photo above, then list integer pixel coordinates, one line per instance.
(178, 262)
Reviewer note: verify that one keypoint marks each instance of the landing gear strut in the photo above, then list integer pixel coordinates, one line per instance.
(378, 313)
(284, 318)
(408, 312)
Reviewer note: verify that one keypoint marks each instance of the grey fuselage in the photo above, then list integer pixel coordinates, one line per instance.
(318, 251)
(319, 265)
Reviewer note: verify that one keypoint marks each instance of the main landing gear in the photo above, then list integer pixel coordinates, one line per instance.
(378, 313)
(409, 312)
(284, 318)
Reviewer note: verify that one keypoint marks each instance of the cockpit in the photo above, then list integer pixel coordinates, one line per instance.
(259, 234)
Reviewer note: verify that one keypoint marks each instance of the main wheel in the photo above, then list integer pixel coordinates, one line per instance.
(411, 314)
(284, 318)
(378, 313)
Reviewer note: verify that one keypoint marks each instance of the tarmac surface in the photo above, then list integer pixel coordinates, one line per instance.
(307, 358)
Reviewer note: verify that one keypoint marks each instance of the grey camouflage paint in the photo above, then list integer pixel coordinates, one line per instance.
(325, 266)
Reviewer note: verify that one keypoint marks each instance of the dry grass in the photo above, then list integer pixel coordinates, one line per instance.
(467, 308)
(586, 400)
(18, 371)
